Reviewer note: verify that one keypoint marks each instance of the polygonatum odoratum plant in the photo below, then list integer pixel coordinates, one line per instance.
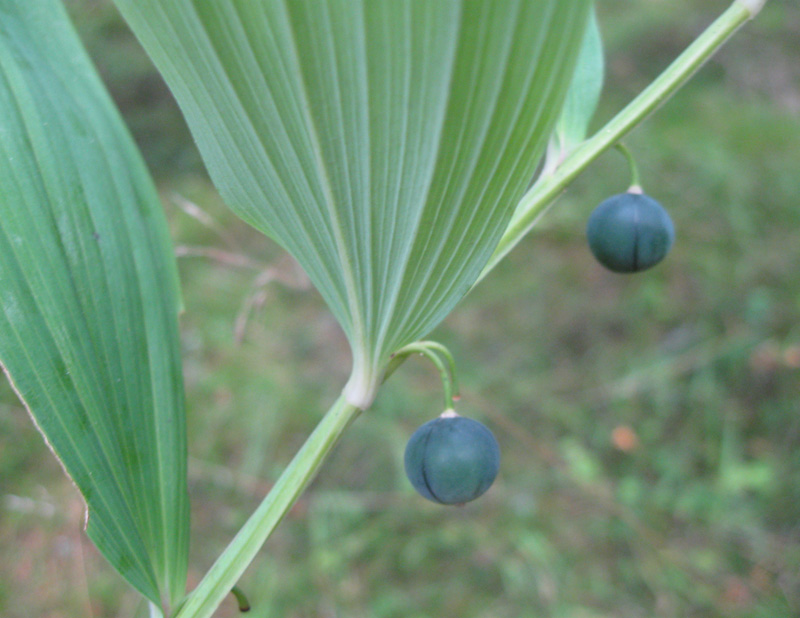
(390, 146)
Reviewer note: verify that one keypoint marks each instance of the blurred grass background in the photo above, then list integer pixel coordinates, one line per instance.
(649, 425)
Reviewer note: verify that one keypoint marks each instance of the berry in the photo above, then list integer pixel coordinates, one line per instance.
(630, 232)
(452, 459)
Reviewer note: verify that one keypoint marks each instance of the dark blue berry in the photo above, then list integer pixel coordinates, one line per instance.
(630, 232)
(452, 459)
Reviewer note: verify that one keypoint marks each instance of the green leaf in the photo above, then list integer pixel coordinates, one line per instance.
(383, 143)
(582, 98)
(89, 298)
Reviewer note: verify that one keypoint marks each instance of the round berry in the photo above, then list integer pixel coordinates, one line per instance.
(630, 232)
(452, 459)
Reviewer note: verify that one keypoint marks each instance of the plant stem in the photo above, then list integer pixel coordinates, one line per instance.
(226, 571)
(435, 345)
(636, 183)
(544, 192)
(241, 599)
(431, 349)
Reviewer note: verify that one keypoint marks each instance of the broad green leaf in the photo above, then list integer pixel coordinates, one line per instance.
(582, 98)
(384, 143)
(89, 298)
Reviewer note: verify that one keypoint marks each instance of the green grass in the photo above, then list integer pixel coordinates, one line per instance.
(694, 368)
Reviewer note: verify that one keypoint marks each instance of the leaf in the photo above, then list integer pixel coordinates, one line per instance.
(89, 298)
(384, 143)
(582, 98)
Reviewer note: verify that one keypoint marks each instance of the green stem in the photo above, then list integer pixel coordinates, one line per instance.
(435, 345)
(636, 185)
(536, 201)
(431, 349)
(226, 571)
(241, 599)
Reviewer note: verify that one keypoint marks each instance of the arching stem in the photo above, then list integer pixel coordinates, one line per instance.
(241, 599)
(435, 345)
(432, 350)
(636, 185)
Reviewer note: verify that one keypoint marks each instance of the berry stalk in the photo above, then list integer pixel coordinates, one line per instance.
(432, 350)
(636, 183)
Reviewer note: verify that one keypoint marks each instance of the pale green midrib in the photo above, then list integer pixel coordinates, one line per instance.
(358, 172)
(159, 325)
(359, 186)
(406, 249)
(385, 206)
(172, 465)
(306, 240)
(145, 514)
(415, 329)
(155, 341)
(387, 242)
(356, 319)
